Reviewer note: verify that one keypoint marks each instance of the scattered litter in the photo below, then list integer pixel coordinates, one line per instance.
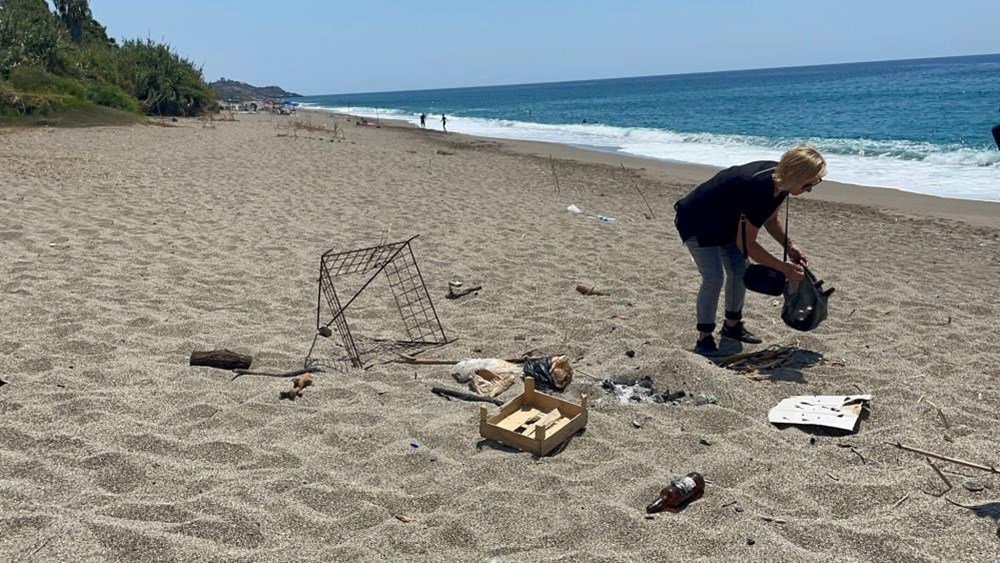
(633, 389)
(773, 519)
(681, 491)
(601, 218)
(455, 290)
(630, 353)
(404, 519)
(637, 423)
(487, 377)
(706, 400)
(298, 385)
(588, 290)
(554, 372)
(840, 411)
(574, 209)
(750, 540)
(704, 442)
(2, 382)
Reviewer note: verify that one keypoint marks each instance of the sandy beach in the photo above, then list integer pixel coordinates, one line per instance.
(124, 249)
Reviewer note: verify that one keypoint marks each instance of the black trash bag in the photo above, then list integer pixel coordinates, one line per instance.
(547, 377)
(764, 279)
(805, 306)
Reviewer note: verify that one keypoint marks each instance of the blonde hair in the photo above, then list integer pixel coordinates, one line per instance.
(800, 165)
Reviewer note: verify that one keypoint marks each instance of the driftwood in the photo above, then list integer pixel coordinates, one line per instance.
(298, 385)
(441, 391)
(410, 359)
(293, 373)
(587, 290)
(753, 361)
(989, 468)
(222, 359)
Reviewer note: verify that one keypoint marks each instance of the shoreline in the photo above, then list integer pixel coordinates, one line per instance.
(974, 212)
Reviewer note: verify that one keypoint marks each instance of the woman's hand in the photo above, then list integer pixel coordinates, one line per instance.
(793, 273)
(796, 255)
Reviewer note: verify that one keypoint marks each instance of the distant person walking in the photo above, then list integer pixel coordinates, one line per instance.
(444, 123)
(996, 134)
(708, 221)
(423, 120)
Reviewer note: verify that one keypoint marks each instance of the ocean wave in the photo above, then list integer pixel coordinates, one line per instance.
(959, 171)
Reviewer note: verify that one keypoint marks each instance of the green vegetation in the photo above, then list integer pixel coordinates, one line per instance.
(61, 67)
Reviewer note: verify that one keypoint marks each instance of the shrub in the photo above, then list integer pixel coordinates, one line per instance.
(109, 95)
(164, 82)
(35, 79)
(31, 35)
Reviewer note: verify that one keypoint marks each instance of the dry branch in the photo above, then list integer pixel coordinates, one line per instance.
(441, 391)
(552, 164)
(629, 174)
(989, 468)
(941, 475)
(293, 373)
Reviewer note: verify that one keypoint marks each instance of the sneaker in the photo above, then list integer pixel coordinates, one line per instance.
(706, 346)
(739, 332)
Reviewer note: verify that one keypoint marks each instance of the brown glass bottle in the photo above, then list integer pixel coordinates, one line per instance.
(679, 491)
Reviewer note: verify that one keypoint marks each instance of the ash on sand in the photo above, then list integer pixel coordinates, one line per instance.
(639, 389)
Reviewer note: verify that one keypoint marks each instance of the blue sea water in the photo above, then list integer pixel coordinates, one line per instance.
(918, 125)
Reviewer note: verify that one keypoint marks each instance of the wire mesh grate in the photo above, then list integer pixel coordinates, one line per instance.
(410, 295)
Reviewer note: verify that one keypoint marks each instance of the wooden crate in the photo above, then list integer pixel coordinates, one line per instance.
(533, 422)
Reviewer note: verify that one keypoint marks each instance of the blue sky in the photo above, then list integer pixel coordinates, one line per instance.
(327, 47)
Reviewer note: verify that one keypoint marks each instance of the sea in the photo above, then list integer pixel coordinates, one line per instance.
(918, 125)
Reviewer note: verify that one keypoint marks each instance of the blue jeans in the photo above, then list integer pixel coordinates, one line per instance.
(712, 261)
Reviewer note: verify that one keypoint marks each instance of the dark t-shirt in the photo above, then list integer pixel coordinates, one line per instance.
(711, 212)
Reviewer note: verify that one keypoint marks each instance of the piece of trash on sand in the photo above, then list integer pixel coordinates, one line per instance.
(574, 209)
(708, 399)
(298, 385)
(488, 377)
(832, 411)
(602, 218)
(553, 372)
(534, 422)
(678, 493)
(456, 291)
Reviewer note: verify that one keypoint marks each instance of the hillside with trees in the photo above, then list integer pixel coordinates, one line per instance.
(62, 62)
(233, 89)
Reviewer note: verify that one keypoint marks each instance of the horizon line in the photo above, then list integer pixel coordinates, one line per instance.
(651, 75)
